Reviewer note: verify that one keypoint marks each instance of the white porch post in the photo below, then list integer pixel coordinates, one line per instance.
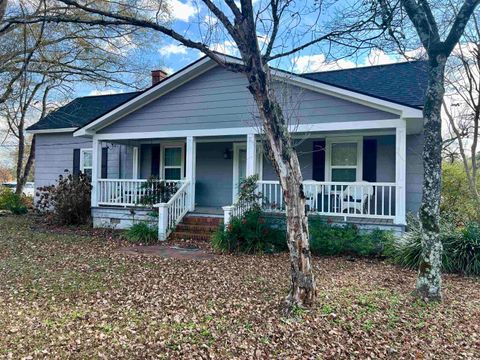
(251, 155)
(96, 169)
(190, 169)
(136, 162)
(400, 173)
(162, 221)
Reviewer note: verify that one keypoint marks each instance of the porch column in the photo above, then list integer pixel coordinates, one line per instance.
(191, 149)
(400, 173)
(96, 169)
(251, 155)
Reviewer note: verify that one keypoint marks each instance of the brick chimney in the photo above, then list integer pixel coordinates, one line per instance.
(157, 76)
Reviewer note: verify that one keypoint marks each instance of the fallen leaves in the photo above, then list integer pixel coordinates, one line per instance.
(72, 295)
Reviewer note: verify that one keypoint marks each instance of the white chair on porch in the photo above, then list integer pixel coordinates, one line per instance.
(356, 197)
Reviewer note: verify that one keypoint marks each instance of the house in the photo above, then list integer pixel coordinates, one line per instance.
(358, 133)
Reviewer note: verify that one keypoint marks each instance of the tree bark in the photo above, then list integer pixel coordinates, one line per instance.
(302, 288)
(22, 180)
(429, 281)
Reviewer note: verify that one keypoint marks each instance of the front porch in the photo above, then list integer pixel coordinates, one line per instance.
(205, 172)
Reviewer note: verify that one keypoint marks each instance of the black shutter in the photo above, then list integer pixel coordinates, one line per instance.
(318, 159)
(156, 161)
(76, 162)
(370, 160)
(104, 174)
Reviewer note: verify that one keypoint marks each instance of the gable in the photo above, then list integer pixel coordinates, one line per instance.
(220, 99)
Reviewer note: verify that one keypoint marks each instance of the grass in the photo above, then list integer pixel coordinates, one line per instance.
(67, 295)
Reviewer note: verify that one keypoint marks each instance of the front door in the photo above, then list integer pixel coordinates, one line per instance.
(239, 167)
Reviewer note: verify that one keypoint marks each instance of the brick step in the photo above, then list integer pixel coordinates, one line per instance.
(196, 228)
(202, 220)
(180, 235)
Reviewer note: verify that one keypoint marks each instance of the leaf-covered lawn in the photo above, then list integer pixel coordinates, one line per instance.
(66, 295)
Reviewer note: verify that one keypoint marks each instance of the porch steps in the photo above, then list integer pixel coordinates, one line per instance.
(198, 228)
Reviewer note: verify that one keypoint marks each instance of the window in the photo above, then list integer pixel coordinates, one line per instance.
(172, 162)
(86, 161)
(345, 157)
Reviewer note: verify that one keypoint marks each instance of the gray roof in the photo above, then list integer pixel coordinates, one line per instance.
(81, 111)
(402, 83)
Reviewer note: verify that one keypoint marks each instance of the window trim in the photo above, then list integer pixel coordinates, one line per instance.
(328, 156)
(82, 156)
(170, 145)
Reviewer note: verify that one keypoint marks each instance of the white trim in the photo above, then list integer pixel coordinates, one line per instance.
(333, 126)
(148, 96)
(191, 148)
(136, 162)
(165, 145)
(252, 155)
(96, 170)
(82, 158)
(328, 155)
(400, 174)
(236, 152)
(52, 131)
(206, 64)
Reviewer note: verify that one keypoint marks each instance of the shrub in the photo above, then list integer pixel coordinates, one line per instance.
(142, 233)
(461, 247)
(68, 202)
(157, 192)
(12, 202)
(248, 234)
(326, 239)
(464, 253)
(457, 203)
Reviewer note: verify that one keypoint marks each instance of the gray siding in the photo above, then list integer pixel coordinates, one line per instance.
(414, 176)
(54, 155)
(220, 99)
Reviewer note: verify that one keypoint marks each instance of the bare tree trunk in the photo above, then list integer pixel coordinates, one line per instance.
(302, 289)
(429, 281)
(28, 167)
(20, 157)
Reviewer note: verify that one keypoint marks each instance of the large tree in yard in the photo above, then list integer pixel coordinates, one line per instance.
(439, 26)
(261, 33)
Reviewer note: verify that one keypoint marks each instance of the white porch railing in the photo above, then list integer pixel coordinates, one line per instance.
(357, 199)
(172, 212)
(127, 192)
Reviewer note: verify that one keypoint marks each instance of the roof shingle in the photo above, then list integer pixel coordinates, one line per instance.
(404, 83)
(81, 111)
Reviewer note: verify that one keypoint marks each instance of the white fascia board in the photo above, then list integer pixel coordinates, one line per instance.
(148, 96)
(52, 131)
(402, 110)
(304, 128)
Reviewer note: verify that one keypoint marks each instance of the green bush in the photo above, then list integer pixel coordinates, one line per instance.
(461, 247)
(12, 202)
(457, 203)
(142, 233)
(464, 253)
(328, 240)
(248, 234)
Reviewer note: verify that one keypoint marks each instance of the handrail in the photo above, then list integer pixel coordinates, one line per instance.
(172, 212)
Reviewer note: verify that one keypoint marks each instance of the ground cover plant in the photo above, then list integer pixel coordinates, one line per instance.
(13, 202)
(73, 296)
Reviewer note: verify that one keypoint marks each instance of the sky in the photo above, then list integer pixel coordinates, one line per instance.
(193, 20)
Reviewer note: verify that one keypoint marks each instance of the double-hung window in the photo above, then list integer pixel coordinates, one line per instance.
(345, 160)
(173, 162)
(86, 163)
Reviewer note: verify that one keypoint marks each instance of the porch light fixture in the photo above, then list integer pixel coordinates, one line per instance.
(227, 154)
